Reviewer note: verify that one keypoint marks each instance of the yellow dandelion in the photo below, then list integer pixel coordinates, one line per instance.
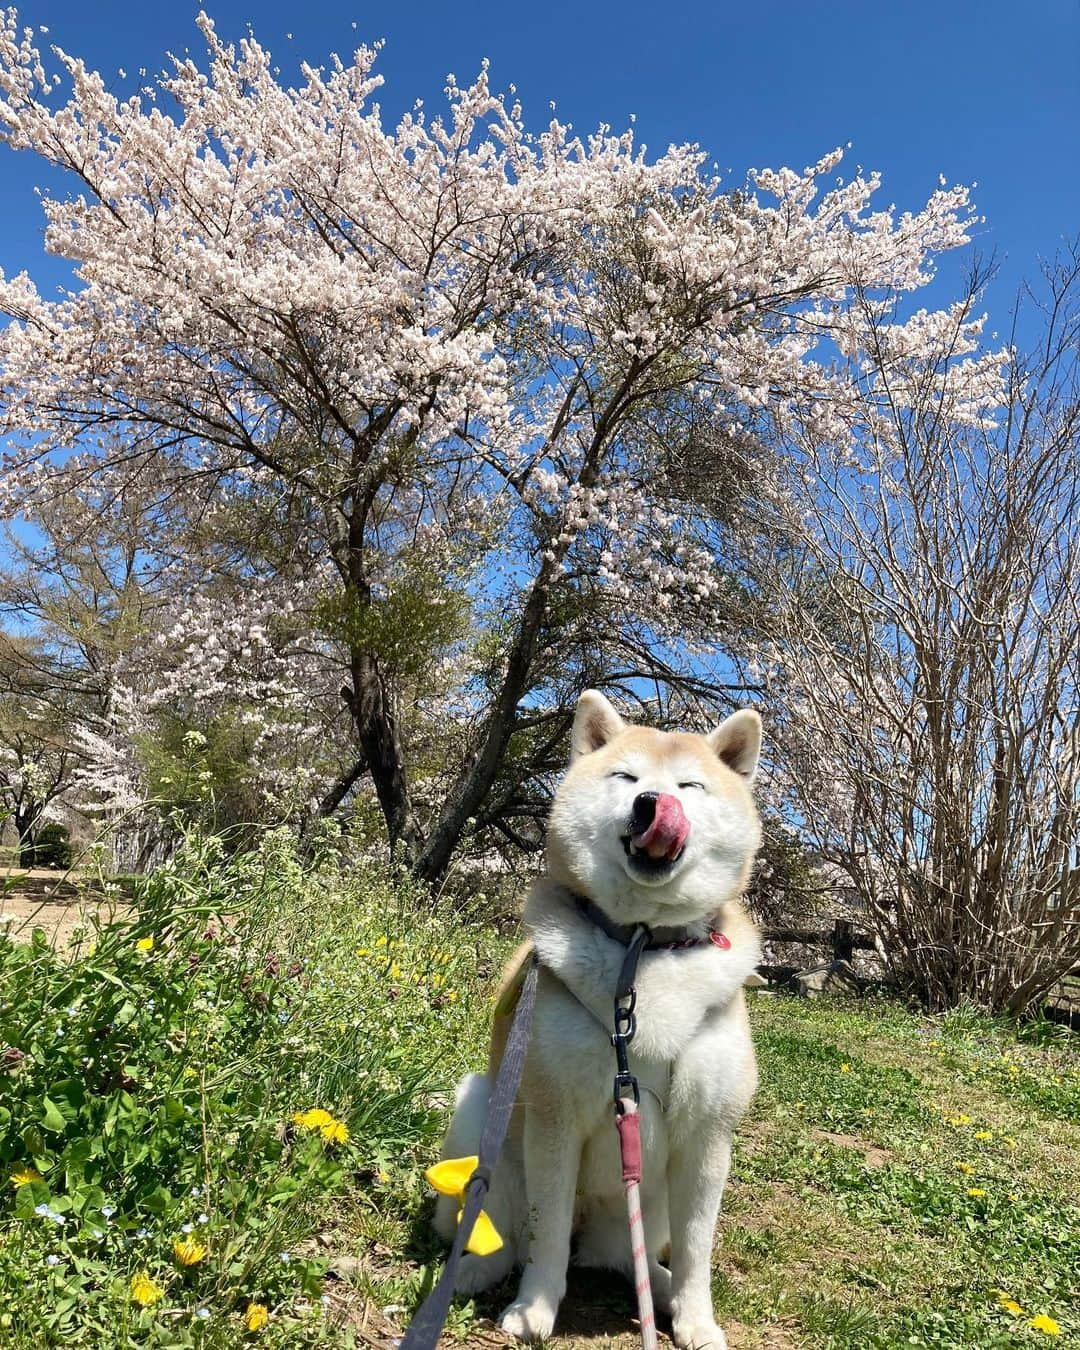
(976, 1192)
(1014, 1069)
(452, 995)
(314, 1119)
(1045, 1324)
(362, 951)
(959, 1119)
(444, 958)
(395, 971)
(256, 1317)
(384, 1177)
(145, 944)
(845, 1068)
(23, 1176)
(1009, 1142)
(188, 1252)
(964, 1167)
(983, 1135)
(379, 942)
(335, 1132)
(144, 1291)
(1009, 1304)
(437, 981)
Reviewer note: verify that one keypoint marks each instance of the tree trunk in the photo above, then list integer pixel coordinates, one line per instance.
(25, 818)
(467, 795)
(372, 708)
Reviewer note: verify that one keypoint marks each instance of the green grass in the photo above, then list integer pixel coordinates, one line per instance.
(155, 1088)
(149, 1081)
(898, 1175)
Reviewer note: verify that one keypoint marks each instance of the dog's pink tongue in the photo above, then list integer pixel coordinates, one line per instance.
(669, 831)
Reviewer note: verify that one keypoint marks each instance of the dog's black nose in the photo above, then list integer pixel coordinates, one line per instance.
(643, 811)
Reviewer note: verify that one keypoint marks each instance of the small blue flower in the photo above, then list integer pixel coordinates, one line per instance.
(142, 1232)
(187, 1227)
(203, 1218)
(284, 1256)
(108, 1211)
(202, 1313)
(52, 1260)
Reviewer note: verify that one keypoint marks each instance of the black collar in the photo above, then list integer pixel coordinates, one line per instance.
(624, 933)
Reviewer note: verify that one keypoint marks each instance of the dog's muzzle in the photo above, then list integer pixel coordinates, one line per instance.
(658, 826)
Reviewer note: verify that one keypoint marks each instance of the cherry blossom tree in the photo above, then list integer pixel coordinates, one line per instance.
(498, 388)
(917, 605)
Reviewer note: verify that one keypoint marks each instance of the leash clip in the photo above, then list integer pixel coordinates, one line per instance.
(625, 1084)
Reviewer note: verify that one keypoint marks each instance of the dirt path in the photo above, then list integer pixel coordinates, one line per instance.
(58, 902)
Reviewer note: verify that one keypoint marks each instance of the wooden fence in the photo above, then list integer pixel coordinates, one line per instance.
(838, 943)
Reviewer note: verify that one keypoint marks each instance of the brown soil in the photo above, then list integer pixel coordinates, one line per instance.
(58, 902)
(595, 1315)
(873, 1157)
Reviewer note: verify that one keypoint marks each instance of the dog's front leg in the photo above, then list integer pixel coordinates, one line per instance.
(552, 1158)
(697, 1171)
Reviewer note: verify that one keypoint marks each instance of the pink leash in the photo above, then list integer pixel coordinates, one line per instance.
(628, 1123)
(627, 1097)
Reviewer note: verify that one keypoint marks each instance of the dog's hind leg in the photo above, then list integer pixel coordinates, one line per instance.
(604, 1242)
(462, 1140)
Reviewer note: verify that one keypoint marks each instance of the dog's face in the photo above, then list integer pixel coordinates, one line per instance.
(655, 827)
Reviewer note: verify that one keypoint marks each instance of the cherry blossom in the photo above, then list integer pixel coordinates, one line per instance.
(538, 352)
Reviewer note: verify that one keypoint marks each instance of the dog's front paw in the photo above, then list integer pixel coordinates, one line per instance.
(701, 1335)
(528, 1320)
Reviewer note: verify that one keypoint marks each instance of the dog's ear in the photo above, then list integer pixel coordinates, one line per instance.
(737, 742)
(595, 723)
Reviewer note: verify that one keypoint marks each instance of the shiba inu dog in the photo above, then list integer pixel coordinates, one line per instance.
(652, 828)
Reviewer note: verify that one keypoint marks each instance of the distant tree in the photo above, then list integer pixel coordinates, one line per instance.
(918, 603)
(495, 395)
(148, 637)
(37, 759)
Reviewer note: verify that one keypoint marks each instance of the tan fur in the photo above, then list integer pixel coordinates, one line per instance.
(506, 1000)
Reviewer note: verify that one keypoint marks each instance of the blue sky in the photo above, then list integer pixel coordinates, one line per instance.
(984, 91)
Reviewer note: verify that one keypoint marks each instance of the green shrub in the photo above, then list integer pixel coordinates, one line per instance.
(209, 1073)
(50, 848)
